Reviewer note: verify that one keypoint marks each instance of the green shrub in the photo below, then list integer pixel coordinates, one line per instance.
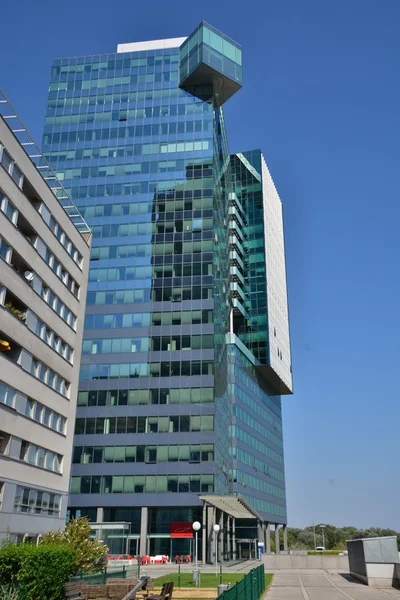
(39, 572)
(334, 552)
(90, 554)
(10, 562)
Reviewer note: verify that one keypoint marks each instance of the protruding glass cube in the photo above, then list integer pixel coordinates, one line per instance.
(210, 65)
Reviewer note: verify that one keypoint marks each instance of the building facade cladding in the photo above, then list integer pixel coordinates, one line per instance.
(147, 163)
(44, 263)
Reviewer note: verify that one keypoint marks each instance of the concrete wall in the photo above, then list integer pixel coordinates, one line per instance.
(293, 561)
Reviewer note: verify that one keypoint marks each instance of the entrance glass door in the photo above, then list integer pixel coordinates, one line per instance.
(133, 545)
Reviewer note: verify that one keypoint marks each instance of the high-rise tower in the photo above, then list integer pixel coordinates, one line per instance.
(186, 346)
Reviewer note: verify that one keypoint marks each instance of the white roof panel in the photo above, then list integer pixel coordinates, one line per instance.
(151, 45)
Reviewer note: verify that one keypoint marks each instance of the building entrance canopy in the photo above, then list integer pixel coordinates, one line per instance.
(234, 506)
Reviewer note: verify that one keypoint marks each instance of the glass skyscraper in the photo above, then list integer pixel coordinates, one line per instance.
(186, 348)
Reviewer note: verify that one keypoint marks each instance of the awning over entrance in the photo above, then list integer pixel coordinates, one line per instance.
(235, 506)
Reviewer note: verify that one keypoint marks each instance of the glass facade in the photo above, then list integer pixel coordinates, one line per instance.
(210, 65)
(148, 165)
(247, 211)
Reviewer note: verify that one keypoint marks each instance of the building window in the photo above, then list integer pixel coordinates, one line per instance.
(17, 175)
(49, 377)
(194, 453)
(8, 208)
(6, 160)
(33, 501)
(47, 417)
(55, 303)
(40, 457)
(5, 250)
(7, 394)
(139, 484)
(54, 341)
(5, 439)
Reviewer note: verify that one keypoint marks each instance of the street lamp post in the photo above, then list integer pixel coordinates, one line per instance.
(323, 535)
(196, 528)
(216, 531)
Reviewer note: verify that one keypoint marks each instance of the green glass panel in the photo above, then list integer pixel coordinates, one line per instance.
(205, 32)
(215, 41)
(229, 50)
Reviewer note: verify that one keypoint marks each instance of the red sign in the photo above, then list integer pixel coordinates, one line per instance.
(181, 530)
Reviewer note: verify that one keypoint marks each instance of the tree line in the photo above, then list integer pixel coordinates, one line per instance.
(335, 537)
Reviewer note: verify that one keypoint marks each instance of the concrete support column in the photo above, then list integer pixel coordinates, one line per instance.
(261, 535)
(221, 536)
(234, 548)
(99, 519)
(210, 533)
(260, 532)
(204, 536)
(143, 531)
(285, 541)
(100, 515)
(268, 538)
(277, 541)
(228, 537)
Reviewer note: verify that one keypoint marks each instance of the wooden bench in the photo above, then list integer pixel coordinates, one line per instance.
(73, 590)
(165, 594)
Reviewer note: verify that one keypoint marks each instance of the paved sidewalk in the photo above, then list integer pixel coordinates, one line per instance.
(324, 586)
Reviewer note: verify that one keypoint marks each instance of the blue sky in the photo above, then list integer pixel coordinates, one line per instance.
(321, 98)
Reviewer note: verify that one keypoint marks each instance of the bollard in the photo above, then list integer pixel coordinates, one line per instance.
(179, 576)
(220, 574)
(123, 572)
(196, 576)
(223, 587)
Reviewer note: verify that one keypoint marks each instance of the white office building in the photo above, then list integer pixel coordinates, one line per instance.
(44, 261)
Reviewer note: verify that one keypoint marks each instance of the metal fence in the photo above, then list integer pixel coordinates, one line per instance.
(249, 588)
(100, 578)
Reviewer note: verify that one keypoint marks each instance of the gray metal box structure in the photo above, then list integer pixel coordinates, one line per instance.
(373, 559)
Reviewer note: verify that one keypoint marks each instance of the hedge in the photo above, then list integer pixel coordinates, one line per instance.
(40, 572)
(334, 552)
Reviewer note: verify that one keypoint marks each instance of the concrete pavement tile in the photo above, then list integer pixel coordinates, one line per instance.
(324, 593)
(369, 594)
(286, 579)
(345, 580)
(284, 593)
(315, 580)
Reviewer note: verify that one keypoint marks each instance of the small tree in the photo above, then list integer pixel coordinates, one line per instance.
(90, 554)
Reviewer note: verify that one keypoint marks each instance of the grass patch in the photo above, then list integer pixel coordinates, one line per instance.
(268, 579)
(207, 580)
